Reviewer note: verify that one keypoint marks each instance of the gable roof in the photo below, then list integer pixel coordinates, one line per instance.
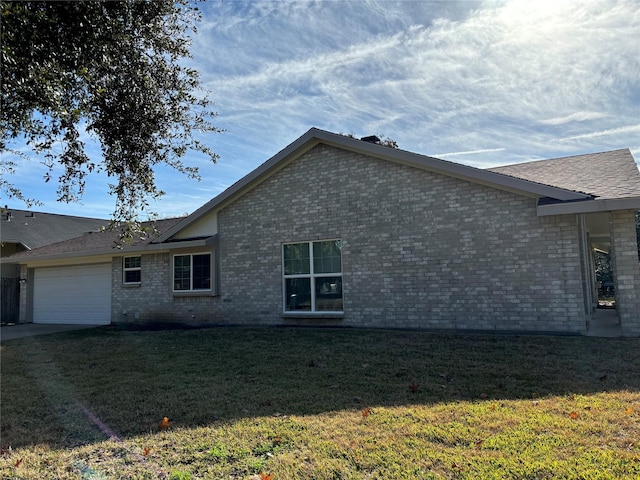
(610, 175)
(35, 229)
(316, 136)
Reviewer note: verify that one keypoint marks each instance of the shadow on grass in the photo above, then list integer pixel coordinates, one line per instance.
(80, 387)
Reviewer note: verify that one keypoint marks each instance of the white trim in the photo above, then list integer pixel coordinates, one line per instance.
(131, 269)
(191, 289)
(312, 276)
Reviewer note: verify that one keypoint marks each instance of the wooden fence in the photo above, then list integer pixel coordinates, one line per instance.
(10, 298)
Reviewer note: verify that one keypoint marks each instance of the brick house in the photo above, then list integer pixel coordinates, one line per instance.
(338, 231)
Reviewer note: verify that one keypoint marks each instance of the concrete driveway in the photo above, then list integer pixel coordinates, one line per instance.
(10, 332)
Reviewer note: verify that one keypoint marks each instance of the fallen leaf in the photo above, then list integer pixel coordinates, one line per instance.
(18, 462)
(492, 407)
(366, 412)
(629, 411)
(573, 415)
(146, 450)
(264, 476)
(164, 424)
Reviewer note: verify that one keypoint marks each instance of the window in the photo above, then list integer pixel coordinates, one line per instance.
(313, 276)
(132, 268)
(192, 272)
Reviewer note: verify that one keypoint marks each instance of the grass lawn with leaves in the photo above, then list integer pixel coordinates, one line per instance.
(304, 403)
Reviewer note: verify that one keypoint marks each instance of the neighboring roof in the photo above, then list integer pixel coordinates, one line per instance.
(94, 243)
(606, 175)
(35, 229)
(315, 136)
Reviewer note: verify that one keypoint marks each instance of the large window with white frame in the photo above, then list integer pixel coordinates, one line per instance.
(192, 272)
(312, 276)
(132, 270)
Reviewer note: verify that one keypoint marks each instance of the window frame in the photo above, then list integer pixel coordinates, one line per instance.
(312, 276)
(191, 290)
(126, 269)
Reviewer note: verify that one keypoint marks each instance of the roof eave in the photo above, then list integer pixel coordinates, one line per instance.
(589, 206)
(113, 252)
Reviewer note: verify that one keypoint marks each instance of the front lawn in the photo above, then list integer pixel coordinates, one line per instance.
(286, 403)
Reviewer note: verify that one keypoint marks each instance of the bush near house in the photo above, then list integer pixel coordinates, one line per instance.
(277, 403)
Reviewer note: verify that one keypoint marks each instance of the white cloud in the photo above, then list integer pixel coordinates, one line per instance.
(573, 117)
(604, 133)
(542, 79)
(470, 152)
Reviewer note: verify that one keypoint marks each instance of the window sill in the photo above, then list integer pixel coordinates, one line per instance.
(313, 315)
(196, 293)
(131, 285)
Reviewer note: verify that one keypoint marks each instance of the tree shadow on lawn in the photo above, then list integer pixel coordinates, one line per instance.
(80, 387)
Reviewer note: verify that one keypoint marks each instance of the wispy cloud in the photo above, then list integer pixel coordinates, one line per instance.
(470, 152)
(540, 79)
(604, 133)
(574, 117)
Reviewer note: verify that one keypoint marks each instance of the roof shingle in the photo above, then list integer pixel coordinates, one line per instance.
(36, 229)
(96, 242)
(607, 175)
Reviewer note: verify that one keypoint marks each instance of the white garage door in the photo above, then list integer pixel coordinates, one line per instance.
(79, 294)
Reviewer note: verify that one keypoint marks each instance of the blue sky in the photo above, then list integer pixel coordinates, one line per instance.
(483, 83)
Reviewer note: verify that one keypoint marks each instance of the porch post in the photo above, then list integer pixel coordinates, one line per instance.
(626, 270)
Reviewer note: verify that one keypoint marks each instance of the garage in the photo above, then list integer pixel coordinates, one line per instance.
(78, 294)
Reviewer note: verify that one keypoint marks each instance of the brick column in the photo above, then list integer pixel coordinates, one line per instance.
(626, 268)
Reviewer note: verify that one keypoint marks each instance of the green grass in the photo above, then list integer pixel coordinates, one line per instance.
(318, 404)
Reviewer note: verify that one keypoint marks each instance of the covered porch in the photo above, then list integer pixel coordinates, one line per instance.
(611, 273)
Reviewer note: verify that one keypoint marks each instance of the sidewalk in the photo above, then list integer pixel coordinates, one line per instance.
(11, 332)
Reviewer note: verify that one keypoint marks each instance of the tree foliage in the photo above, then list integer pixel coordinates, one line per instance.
(109, 70)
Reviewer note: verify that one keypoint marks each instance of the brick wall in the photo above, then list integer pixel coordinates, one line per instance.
(153, 301)
(626, 268)
(148, 302)
(419, 250)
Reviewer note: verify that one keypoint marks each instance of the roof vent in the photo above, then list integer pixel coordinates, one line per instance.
(371, 139)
